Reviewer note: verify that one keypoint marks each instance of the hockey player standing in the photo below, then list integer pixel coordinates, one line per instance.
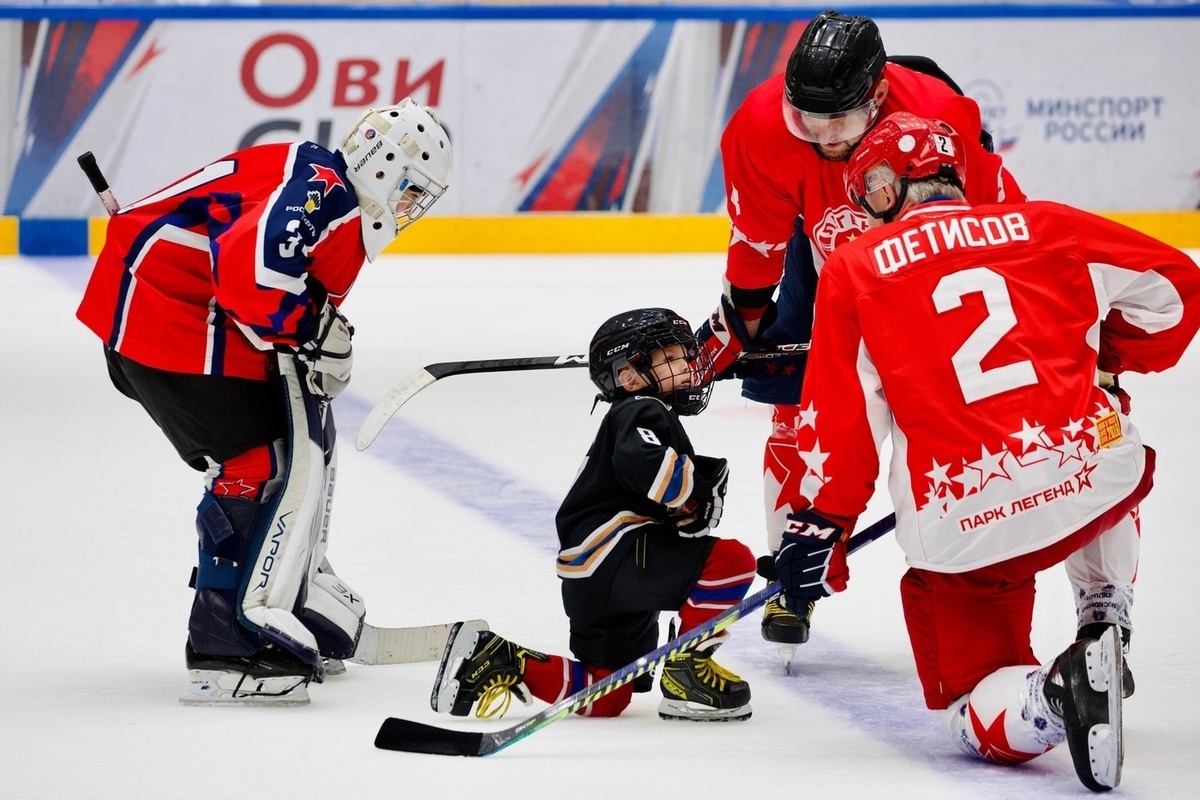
(784, 153)
(634, 535)
(217, 301)
(1007, 458)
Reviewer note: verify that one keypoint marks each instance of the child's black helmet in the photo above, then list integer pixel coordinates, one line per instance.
(629, 339)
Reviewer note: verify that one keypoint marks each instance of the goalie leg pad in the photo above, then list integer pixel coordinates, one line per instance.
(334, 613)
(286, 536)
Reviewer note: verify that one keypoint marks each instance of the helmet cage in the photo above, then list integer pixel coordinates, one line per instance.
(398, 159)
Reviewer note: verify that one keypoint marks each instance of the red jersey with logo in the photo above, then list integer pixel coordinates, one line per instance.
(190, 275)
(970, 336)
(772, 177)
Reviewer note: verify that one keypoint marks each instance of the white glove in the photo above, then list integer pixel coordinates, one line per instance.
(329, 357)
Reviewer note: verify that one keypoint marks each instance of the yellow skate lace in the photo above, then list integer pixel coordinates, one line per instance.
(713, 674)
(495, 698)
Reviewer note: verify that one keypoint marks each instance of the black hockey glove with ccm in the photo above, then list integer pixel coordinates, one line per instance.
(702, 512)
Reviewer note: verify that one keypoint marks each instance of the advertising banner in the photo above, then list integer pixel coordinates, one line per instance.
(573, 115)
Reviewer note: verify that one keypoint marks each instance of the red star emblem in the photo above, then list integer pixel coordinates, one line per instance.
(227, 488)
(1084, 477)
(993, 741)
(327, 176)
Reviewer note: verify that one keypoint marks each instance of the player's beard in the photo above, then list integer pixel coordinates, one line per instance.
(838, 152)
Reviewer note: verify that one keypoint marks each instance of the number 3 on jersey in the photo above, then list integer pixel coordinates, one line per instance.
(977, 383)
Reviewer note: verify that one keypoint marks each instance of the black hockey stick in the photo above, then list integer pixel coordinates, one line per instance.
(416, 737)
(404, 391)
(87, 162)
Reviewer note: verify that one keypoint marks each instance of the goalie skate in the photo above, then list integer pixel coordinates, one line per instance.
(269, 678)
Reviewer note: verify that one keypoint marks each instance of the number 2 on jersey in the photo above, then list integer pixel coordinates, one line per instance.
(976, 382)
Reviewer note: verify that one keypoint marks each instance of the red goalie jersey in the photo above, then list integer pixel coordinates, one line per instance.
(971, 336)
(190, 275)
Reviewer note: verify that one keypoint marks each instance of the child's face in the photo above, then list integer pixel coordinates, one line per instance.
(671, 368)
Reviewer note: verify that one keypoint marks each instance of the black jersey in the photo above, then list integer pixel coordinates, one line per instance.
(640, 470)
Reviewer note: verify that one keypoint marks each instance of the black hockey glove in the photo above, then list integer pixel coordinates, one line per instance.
(329, 356)
(702, 512)
(811, 564)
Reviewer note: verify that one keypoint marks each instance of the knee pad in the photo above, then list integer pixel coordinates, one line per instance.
(1005, 718)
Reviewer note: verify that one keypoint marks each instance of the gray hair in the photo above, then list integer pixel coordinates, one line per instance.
(919, 191)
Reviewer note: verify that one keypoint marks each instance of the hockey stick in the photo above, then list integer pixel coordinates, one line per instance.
(404, 391)
(415, 737)
(415, 645)
(87, 162)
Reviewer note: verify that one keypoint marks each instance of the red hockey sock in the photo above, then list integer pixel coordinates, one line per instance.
(724, 581)
(559, 678)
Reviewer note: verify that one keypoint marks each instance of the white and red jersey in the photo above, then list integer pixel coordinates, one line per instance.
(190, 273)
(970, 336)
(772, 177)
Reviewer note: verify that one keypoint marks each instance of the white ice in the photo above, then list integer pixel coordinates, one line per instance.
(450, 515)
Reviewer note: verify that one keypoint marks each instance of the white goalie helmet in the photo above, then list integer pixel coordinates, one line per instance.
(398, 158)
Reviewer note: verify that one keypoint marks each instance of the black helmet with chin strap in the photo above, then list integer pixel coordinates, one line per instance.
(628, 341)
(835, 65)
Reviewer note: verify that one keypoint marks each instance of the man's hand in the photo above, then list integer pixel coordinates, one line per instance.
(812, 561)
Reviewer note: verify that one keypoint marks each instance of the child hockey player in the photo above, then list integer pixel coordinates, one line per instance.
(633, 531)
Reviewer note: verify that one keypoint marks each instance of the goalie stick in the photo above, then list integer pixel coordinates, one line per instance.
(404, 391)
(416, 737)
(415, 645)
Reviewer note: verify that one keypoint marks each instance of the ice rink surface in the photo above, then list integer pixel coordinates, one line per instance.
(450, 515)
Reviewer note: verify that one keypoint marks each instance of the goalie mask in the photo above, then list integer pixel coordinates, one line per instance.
(651, 351)
(398, 158)
(903, 148)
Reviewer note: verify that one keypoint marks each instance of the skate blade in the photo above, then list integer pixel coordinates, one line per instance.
(218, 688)
(695, 712)
(787, 653)
(459, 646)
(1105, 743)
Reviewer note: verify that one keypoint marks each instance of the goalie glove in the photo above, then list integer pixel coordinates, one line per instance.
(702, 512)
(812, 561)
(329, 356)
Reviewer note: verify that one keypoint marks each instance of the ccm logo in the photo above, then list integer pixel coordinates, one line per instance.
(810, 531)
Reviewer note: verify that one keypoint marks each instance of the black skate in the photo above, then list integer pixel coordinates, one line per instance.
(788, 630)
(695, 687)
(1084, 686)
(479, 666)
(1093, 631)
(270, 677)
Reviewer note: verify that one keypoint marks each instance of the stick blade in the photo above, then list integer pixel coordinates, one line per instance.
(416, 737)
